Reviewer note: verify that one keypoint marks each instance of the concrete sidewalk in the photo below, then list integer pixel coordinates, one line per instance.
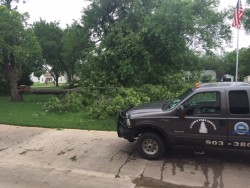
(37, 157)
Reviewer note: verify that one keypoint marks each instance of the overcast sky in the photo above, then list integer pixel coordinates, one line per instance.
(65, 11)
(54, 10)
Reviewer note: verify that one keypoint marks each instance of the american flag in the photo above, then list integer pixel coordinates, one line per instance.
(238, 15)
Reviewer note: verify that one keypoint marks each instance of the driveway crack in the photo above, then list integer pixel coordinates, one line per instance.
(142, 174)
(163, 168)
(28, 150)
(127, 160)
(2, 149)
(112, 158)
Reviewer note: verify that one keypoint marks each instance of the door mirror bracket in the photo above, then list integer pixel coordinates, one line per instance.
(181, 112)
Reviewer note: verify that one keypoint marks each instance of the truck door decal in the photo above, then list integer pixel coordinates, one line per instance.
(203, 125)
(241, 128)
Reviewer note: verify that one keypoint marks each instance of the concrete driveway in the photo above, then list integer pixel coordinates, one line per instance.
(35, 157)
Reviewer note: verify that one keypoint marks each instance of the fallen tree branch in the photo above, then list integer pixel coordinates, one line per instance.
(26, 89)
(57, 91)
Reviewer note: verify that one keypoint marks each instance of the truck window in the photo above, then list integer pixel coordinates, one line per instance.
(203, 103)
(238, 102)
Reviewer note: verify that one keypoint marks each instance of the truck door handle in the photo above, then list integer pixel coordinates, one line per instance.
(164, 120)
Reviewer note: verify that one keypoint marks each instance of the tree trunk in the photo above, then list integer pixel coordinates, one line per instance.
(9, 63)
(15, 95)
(55, 75)
(69, 77)
(56, 80)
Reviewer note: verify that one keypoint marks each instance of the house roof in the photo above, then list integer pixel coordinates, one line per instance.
(47, 75)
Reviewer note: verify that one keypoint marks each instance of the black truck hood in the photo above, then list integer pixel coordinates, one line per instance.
(146, 109)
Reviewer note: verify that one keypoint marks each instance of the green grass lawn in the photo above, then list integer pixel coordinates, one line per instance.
(30, 113)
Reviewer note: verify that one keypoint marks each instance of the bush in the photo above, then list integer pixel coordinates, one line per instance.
(176, 82)
(106, 103)
(157, 92)
(89, 96)
(111, 103)
(25, 79)
(4, 87)
(71, 102)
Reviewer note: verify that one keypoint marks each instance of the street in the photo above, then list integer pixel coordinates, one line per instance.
(37, 157)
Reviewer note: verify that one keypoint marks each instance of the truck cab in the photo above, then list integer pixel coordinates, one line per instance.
(208, 115)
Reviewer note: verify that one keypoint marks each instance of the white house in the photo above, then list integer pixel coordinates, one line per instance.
(62, 79)
(228, 78)
(205, 74)
(47, 78)
(33, 78)
(211, 74)
(247, 79)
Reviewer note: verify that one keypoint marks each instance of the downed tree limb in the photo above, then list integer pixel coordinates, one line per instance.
(26, 89)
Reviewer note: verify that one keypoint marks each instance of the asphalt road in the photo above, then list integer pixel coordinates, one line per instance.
(37, 158)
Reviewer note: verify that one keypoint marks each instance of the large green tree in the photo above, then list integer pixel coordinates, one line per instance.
(246, 18)
(19, 48)
(216, 63)
(50, 38)
(8, 3)
(75, 49)
(145, 41)
(244, 65)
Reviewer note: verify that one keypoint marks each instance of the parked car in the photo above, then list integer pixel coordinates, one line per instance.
(210, 114)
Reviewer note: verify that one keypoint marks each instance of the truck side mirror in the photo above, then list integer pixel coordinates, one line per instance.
(181, 112)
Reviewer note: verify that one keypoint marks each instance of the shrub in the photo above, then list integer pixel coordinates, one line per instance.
(103, 103)
(71, 102)
(25, 79)
(157, 92)
(4, 87)
(89, 96)
(176, 82)
(110, 104)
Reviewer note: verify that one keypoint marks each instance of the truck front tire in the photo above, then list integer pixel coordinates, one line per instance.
(150, 146)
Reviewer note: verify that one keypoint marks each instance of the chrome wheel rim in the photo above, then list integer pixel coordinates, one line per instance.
(150, 146)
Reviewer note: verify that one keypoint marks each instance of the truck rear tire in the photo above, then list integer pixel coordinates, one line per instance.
(150, 146)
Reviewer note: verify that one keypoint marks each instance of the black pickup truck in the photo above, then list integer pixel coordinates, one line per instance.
(210, 114)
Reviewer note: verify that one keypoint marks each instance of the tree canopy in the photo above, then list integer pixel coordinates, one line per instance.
(121, 42)
(20, 51)
(145, 41)
(50, 39)
(75, 48)
(246, 18)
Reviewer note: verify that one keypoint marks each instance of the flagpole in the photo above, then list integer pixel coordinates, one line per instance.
(237, 56)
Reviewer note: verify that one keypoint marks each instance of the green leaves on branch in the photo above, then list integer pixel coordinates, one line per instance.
(50, 39)
(246, 19)
(19, 42)
(103, 103)
(71, 102)
(112, 102)
(142, 41)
